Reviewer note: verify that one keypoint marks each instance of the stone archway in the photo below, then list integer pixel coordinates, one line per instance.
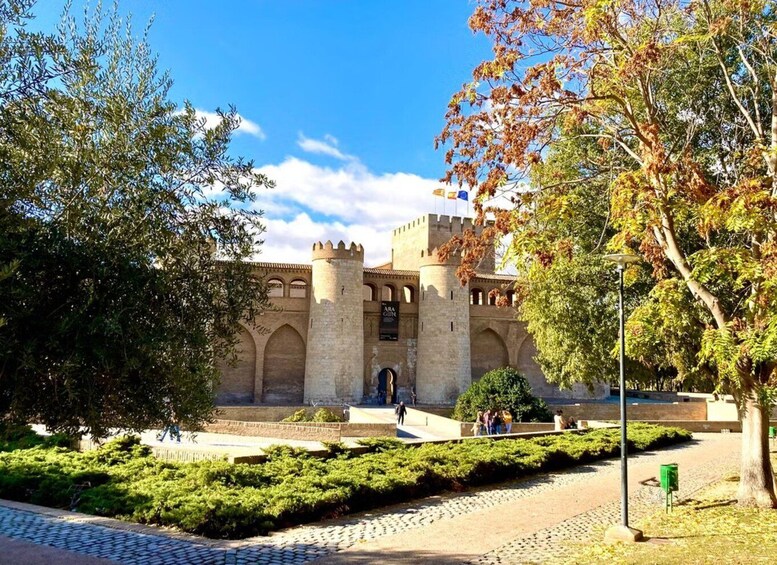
(237, 380)
(487, 351)
(284, 367)
(387, 386)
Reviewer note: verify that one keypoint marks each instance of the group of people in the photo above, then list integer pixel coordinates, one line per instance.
(493, 422)
(561, 422)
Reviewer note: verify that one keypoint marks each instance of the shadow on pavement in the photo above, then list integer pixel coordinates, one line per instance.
(384, 556)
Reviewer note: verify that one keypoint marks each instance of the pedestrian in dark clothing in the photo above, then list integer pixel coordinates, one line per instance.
(400, 411)
(496, 422)
(171, 424)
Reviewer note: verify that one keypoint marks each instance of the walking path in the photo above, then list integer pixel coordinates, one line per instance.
(528, 521)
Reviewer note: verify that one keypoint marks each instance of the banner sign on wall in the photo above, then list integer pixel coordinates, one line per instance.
(389, 320)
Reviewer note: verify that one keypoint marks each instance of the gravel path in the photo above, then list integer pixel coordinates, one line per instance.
(122, 543)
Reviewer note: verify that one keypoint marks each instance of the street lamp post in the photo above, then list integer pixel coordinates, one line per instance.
(622, 531)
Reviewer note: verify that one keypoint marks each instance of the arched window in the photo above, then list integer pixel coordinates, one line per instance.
(510, 294)
(368, 292)
(388, 293)
(275, 288)
(298, 289)
(476, 297)
(409, 293)
(492, 297)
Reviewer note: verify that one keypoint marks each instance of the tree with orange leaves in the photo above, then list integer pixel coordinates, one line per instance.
(682, 96)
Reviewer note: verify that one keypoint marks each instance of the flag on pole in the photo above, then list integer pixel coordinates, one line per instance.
(438, 192)
(451, 196)
(463, 195)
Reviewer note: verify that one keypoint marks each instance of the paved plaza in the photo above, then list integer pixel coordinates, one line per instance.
(529, 521)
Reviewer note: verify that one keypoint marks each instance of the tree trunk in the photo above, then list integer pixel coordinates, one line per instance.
(756, 479)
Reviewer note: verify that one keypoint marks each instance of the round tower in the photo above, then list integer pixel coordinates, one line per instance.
(334, 360)
(443, 369)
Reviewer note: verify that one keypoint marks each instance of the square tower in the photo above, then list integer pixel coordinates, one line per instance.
(412, 242)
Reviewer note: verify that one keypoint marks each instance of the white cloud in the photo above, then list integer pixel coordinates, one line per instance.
(212, 119)
(314, 203)
(327, 146)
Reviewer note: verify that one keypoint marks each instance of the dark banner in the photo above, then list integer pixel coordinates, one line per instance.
(389, 321)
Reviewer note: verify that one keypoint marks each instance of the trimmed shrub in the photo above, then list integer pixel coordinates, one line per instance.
(502, 389)
(321, 415)
(221, 500)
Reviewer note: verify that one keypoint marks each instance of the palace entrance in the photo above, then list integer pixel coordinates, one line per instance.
(387, 386)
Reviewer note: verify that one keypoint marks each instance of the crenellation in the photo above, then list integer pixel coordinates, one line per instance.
(353, 252)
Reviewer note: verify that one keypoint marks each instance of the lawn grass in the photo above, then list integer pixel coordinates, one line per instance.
(707, 529)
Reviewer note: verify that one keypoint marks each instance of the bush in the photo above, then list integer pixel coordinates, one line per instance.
(326, 415)
(300, 415)
(502, 389)
(221, 500)
(321, 415)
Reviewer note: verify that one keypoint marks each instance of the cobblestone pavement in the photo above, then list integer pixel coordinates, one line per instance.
(306, 543)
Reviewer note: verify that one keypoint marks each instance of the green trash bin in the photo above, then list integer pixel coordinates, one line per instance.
(670, 483)
(670, 477)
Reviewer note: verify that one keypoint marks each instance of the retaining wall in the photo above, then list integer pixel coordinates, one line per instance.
(307, 431)
(647, 412)
(255, 413)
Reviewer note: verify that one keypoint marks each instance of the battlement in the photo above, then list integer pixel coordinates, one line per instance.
(438, 222)
(328, 250)
(432, 257)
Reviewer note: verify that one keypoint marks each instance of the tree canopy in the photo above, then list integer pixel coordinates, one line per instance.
(680, 98)
(501, 389)
(113, 202)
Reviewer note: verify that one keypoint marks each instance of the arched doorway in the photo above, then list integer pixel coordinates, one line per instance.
(387, 386)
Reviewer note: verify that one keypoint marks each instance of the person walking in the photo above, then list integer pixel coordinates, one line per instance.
(413, 395)
(171, 426)
(400, 411)
(487, 421)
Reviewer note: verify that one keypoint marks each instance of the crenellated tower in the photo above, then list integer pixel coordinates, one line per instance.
(334, 362)
(444, 369)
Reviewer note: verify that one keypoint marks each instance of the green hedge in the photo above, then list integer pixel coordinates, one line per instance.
(221, 500)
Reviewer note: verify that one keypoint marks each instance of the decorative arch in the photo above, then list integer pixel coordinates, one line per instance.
(284, 367)
(275, 288)
(492, 296)
(298, 288)
(487, 351)
(388, 292)
(476, 296)
(368, 292)
(237, 379)
(409, 293)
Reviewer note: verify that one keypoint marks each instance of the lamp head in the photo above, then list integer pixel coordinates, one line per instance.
(623, 259)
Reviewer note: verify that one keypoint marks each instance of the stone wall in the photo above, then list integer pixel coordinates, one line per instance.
(267, 413)
(649, 412)
(305, 431)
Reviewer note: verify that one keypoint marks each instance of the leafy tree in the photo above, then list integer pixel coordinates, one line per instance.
(501, 389)
(112, 202)
(681, 94)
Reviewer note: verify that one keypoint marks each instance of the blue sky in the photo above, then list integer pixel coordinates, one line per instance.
(341, 100)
